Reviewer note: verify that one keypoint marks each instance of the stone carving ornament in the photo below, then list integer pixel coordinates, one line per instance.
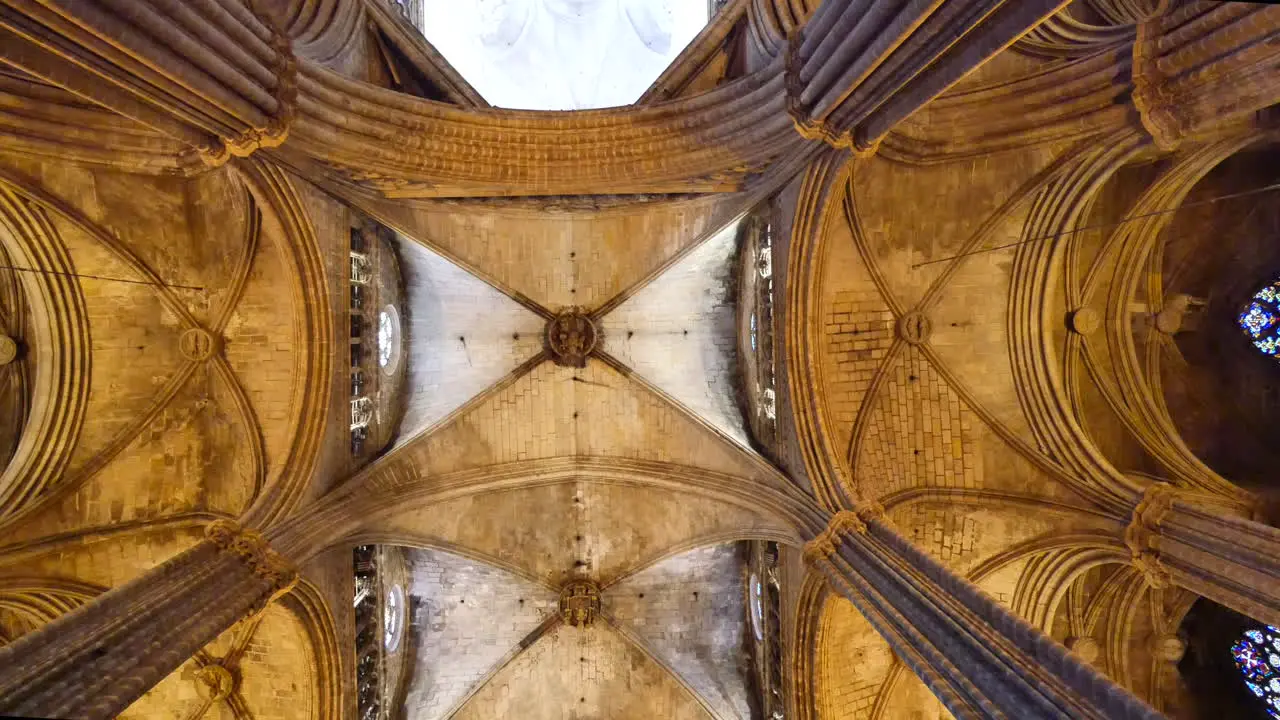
(579, 603)
(571, 336)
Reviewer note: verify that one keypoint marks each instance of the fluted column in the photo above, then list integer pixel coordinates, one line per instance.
(210, 73)
(859, 67)
(979, 659)
(1202, 64)
(1175, 539)
(98, 659)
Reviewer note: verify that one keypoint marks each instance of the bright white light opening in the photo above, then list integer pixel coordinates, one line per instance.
(561, 54)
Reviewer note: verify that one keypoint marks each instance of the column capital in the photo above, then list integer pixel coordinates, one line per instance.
(276, 130)
(1142, 535)
(1156, 106)
(815, 128)
(844, 522)
(252, 549)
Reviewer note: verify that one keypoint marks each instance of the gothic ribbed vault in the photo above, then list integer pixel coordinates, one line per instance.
(852, 359)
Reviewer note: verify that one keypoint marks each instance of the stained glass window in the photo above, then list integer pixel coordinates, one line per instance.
(1260, 319)
(1257, 654)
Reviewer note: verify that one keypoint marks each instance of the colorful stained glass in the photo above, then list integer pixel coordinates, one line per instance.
(1260, 319)
(1255, 654)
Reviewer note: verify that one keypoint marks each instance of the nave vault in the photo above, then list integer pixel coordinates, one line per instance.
(819, 359)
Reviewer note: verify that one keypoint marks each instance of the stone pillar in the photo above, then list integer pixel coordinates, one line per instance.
(210, 73)
(858, 68)
(978, 658)
(96, 660)
(1174, 539)
(1202, 64)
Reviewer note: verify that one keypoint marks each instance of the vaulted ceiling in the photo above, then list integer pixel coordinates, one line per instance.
(970, 339)
(660, 387)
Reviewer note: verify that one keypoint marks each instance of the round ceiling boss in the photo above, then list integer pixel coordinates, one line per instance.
(914, 327)
(8, 350)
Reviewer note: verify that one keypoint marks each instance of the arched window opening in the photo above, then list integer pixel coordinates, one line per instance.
(757, 607)
(1257, 654)
(1260, 319)
(756, 325)
(764, 609)
(393, 619)
(377, 357)
(388, 339)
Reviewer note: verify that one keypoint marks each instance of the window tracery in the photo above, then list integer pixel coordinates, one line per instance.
(1260, 319)
(1257, 655)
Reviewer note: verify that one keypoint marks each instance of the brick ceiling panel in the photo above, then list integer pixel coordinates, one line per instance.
(135, 344)
(583, 530)
(853, 662)
(569, 255)
(582, 673)
(920, 433)
(970, 332)
(555, 411)
(857, 331)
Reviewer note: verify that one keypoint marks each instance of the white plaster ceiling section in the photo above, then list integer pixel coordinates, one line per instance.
(562, 54)
(679, 332)
(467, 619)
(462, 334)
(689, 611)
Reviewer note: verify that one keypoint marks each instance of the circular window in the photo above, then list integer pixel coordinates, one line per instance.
(757, 607)
(388, 339)
(393, 619)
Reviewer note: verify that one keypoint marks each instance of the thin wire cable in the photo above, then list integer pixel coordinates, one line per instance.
(1206, 201)
(100, 277)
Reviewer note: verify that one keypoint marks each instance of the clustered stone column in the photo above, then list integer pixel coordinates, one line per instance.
(1201, 64)
(210, 73)
(858, 68)
(1230, 560)
(979, 659)
(98, 659)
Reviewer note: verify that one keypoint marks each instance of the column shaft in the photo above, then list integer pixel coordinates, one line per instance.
(98, 659)
(855, 66)
(1202, 64)
(1230, 560)
(977, 657)
(209, 72)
